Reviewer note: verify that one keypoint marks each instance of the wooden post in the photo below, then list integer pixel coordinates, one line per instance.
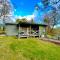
(27, 32)
(39, 31)
(19, 32)
(30, 30)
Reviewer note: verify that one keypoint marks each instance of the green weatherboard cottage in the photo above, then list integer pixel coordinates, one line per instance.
(25, 29)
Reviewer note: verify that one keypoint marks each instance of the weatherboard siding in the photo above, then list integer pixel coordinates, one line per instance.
(11, 30)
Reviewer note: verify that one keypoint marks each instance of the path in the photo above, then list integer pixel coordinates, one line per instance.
(51, 40)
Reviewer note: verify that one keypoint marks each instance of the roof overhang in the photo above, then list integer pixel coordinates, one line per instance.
(31, 24)
(28, 24)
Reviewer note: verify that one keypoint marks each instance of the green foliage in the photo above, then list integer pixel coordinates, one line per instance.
(21, 20)
(46, 20)
(17, 20)
(57, 30)
(32, 21)
(25, 20)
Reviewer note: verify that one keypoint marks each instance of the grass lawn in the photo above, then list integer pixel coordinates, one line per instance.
(27, 49)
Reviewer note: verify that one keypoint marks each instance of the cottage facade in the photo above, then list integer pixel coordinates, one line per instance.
(25, 29)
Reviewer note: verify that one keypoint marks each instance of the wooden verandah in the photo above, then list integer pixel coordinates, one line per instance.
(29, 30)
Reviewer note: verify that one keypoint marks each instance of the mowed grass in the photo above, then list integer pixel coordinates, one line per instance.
(28, 49)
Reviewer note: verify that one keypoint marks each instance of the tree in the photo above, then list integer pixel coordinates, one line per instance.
(54, 15)
(32, 21)
(6, 9)
(52, 20)
(21, 20)
(17, 20)
(37, 7)
(49, 30)
(45, 3)
(24, 20)
(55, 12)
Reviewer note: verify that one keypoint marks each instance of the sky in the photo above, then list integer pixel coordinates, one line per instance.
(26, 9)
